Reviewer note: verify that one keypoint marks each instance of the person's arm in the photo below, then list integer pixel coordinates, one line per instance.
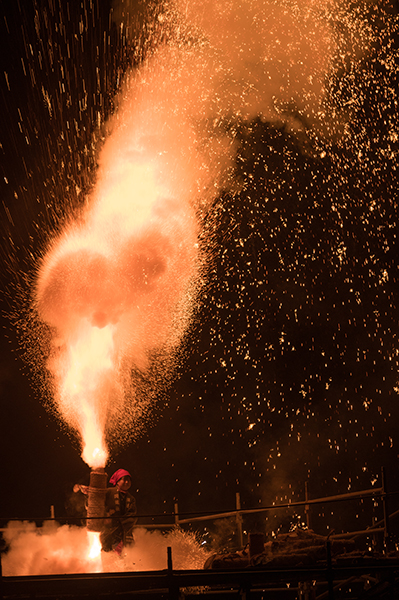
(81, 488)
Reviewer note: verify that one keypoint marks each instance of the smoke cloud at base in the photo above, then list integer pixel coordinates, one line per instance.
(63, 549)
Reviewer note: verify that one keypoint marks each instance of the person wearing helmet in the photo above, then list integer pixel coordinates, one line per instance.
(120, 510)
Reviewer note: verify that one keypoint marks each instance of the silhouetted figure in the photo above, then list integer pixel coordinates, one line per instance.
(120, 510)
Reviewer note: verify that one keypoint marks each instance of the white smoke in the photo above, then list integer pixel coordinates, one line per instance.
(268, 59)
(55, 549)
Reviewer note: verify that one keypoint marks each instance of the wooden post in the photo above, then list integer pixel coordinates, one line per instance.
(239, 520)
(1, 579)
(330, 576)
(385, 509)
(173, 587)
(170, 564)
(307, 507)
(176, 513)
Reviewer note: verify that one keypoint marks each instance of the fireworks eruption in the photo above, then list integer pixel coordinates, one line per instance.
(259, 140)
(111, 292)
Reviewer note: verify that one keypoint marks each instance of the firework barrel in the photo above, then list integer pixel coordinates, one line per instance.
(96, 499)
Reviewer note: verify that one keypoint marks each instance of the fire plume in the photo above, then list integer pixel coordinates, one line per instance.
(116, 285)
(89, 364)
(114, 288)
(94, 553)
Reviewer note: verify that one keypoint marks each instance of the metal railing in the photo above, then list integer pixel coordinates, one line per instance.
(178, 519)
(239, 512)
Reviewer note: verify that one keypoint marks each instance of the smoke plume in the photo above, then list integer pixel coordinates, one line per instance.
(57, 549)
(118, 284)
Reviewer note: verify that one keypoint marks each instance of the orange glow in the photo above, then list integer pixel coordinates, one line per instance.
(125, 197)
(89, 364)
(118, 284)
(94, 553)
(114, 287)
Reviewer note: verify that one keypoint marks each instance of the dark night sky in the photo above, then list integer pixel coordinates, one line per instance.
(289, 370)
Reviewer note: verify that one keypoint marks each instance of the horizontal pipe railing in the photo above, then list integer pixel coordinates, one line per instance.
(190, 517)
(246, 511)
(203, 515)
(110, 583)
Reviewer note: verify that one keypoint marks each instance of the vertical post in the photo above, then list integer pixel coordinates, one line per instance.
(374, 537)
(330, 577)
(176, 513)
(374, 519)
(385, 509)
(307, 507)
(1, 580)
(52, 512)
(173, 588)
(245, 591)
(239, 520)
(170, 564)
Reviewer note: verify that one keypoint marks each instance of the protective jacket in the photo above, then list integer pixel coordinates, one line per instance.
(120, 509)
